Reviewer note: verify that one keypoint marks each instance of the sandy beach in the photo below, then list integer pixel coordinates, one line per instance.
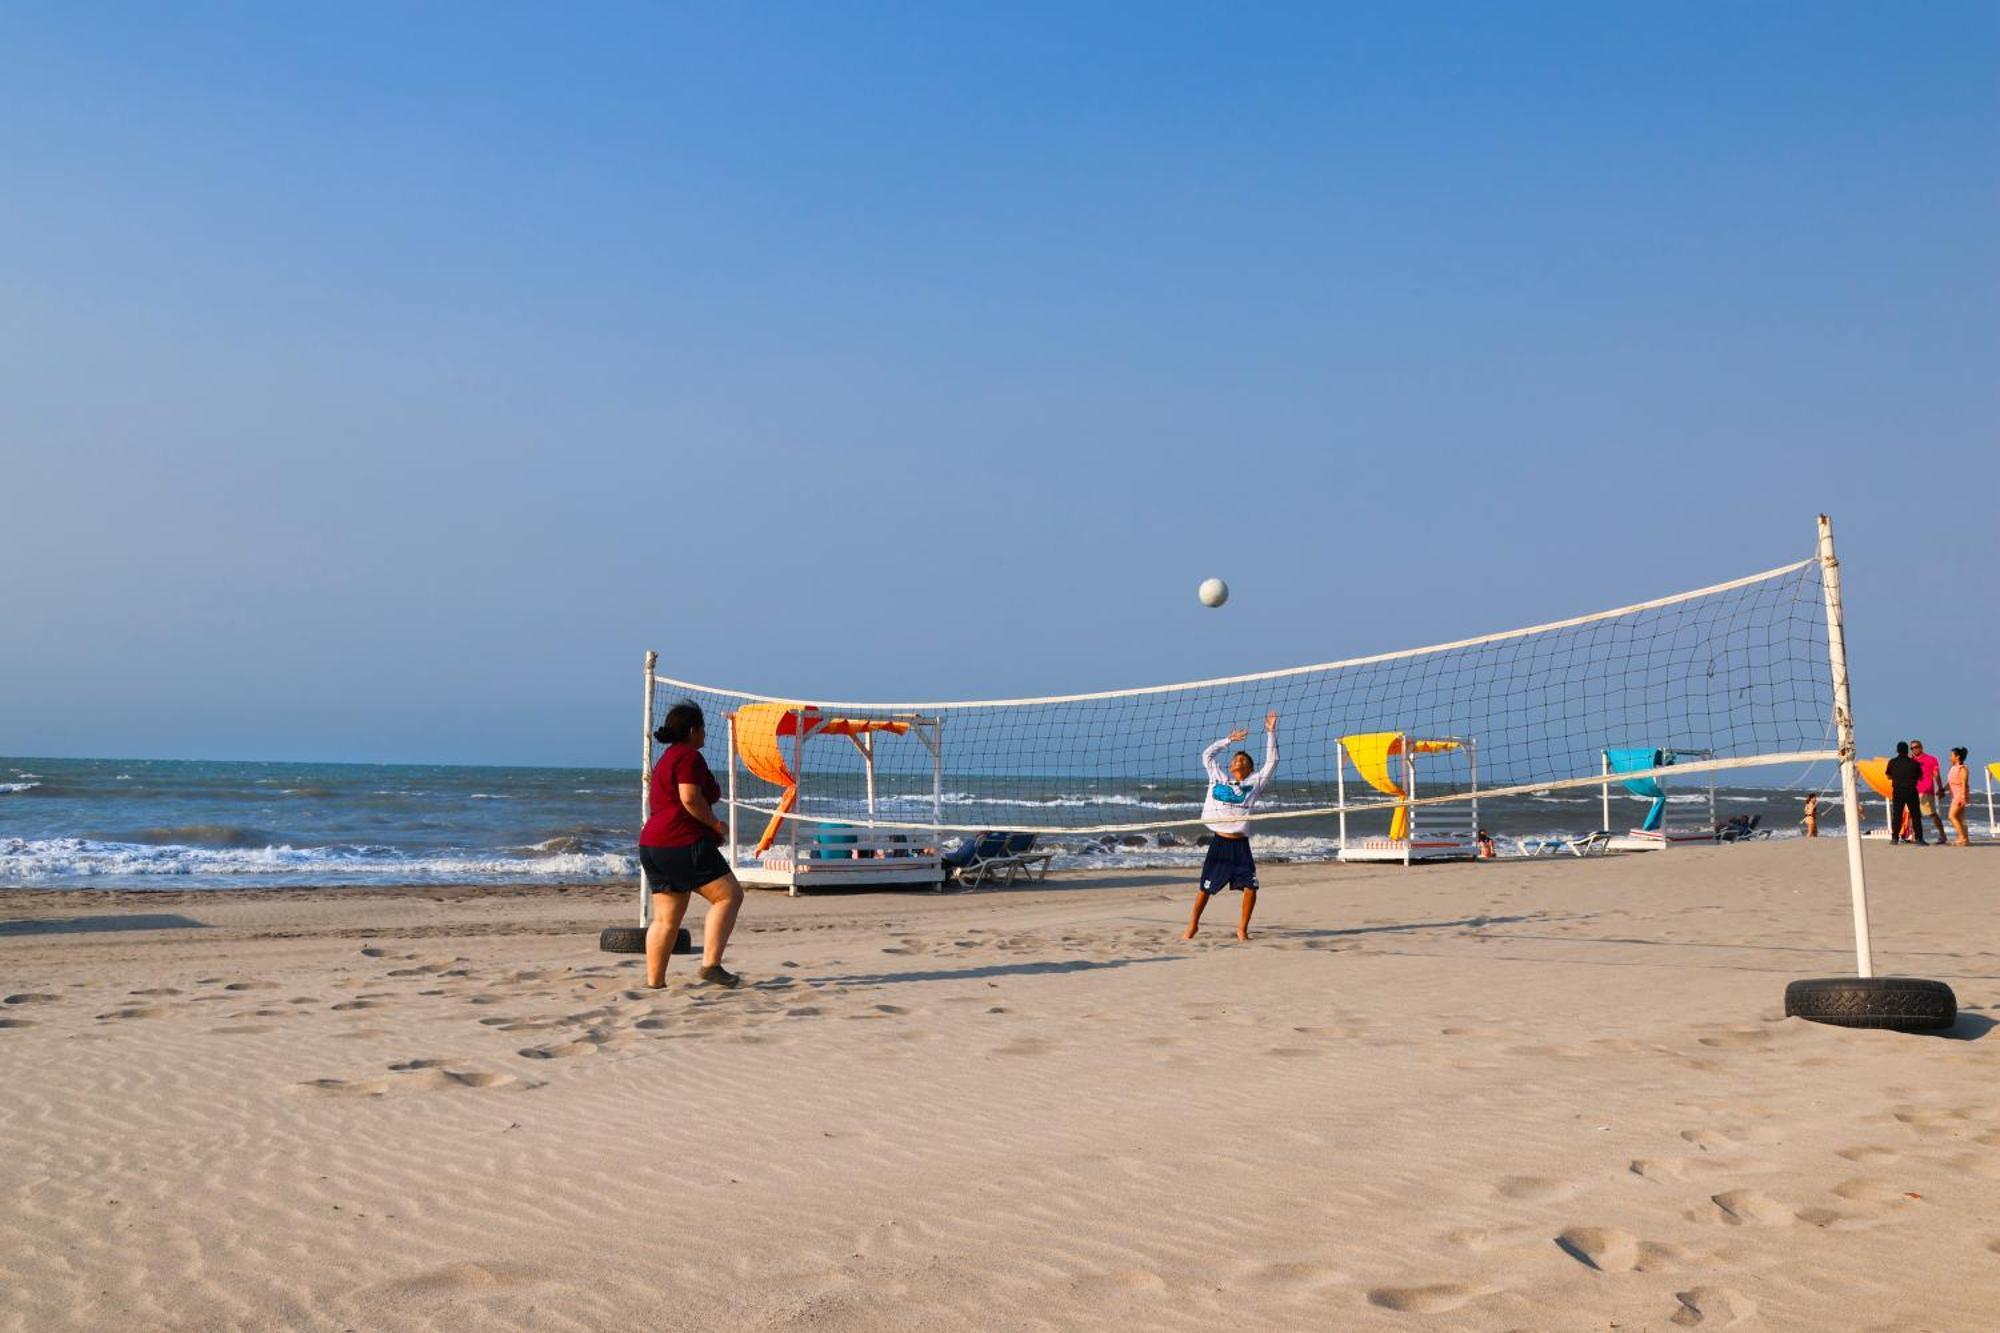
(1530, 1095)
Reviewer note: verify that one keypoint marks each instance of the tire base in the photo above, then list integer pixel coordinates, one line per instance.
(1894, 1004)
(632, 939)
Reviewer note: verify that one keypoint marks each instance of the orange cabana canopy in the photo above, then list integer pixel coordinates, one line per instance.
(759, 728)
(1874, 772)
(1372, 751)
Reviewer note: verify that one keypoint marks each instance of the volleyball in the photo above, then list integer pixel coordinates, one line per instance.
(1213, 592)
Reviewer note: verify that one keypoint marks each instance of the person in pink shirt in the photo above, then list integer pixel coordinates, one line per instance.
(1956, 782)
(1927, 787)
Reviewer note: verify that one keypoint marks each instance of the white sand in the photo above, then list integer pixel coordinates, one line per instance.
(1526, 1095)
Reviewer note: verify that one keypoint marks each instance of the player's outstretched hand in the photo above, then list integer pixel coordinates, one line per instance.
(1271, 720)
(1237, 735)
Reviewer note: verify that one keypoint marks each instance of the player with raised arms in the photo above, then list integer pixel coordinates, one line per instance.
(1226, 811)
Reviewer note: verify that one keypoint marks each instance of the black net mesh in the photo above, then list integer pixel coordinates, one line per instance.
(1740, 672)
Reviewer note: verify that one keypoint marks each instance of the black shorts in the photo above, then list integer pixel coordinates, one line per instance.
(682, 869)
(1228, 865)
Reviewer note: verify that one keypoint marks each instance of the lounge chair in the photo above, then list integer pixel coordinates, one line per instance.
(1581, 844)
(1742, 832)
(1002, 856)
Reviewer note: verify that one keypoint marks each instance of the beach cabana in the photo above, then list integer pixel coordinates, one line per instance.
(1653, 832)
(1992, 776)
(1387, 761)
(769, 741)
(1875, 773)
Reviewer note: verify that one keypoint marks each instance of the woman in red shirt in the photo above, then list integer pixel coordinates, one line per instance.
(678, 850)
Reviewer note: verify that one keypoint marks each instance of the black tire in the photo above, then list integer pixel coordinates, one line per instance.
(632, 939)
(1899, 1004)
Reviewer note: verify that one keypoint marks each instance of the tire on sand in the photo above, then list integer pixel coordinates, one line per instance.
(632, 939)
(1899, 1004)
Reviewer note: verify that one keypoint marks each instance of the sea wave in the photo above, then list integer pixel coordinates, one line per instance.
(7, 788)
(57, 862)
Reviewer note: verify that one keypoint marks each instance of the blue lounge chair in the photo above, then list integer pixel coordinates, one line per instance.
(1002, 856)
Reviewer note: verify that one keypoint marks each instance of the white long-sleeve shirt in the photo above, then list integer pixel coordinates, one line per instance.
(1227, 806)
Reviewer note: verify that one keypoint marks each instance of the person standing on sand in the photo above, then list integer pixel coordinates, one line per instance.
(1812, 814)
(678, 849)
(1226, 811)
(1927, 788)
(1957, 782)
(1904, 773)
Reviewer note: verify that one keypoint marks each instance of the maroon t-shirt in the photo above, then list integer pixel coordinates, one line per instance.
(670, 825)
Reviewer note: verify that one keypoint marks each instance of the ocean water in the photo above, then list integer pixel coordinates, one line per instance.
(70, 823)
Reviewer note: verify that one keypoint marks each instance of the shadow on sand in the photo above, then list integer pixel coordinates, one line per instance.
(87, 925)
(992, 970)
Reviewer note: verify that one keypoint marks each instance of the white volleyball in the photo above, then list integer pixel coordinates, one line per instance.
(1213, 592)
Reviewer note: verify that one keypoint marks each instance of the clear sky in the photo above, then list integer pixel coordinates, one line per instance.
(380, 381)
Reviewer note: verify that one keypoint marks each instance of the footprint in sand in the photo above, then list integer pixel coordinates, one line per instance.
(1433, 1299)
(1025, 1046)
(135, 1011)
(559, 1050)
(17, 1022)
(1607, 1249)
(1301, 1273)
(32, 997)
(245, 1030)
(156, 990)
(1482, 1239)
(1752, 1208)
(340, 1087)
(1712, 1307)
(1534, 1189)
(346, 1005)
(1868, 1155)
(251, 985)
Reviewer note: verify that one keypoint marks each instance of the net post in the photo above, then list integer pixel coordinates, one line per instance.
(1472, 757)
(731, 718)
(1604, 762)
(1992, 828)
(646, 787)
(1843, 721)
(1410, 792)
(799, 786)
(1340, 787)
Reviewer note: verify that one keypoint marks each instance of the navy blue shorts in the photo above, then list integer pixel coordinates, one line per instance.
(1228, 865)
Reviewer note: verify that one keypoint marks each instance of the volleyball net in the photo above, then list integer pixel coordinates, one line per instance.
(1731, 676)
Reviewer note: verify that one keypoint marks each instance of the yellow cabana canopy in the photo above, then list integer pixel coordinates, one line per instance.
(758, 727)
(1372, 751)
(1874, 772)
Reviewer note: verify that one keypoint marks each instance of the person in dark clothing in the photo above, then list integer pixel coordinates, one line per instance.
(1904, 773)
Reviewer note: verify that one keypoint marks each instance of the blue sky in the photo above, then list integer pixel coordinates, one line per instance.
(379, 382)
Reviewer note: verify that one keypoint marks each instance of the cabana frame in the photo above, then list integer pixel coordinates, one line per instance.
(884, 859)
(1413, 848)
(1641, 840)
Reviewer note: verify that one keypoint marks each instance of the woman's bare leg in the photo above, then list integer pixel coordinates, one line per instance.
(724, 896)
(668, 909)
(1958, 825)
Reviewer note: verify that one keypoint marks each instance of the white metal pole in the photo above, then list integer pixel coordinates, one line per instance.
(732, 792)
(1340, 787)
(1710, 754)
(1409, 795)
(646, 789)
(868, 762)
(1843, 721)
(799, 795)
(1992, 827)
(937, 778)
(1604, 759)
(1472, 756)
